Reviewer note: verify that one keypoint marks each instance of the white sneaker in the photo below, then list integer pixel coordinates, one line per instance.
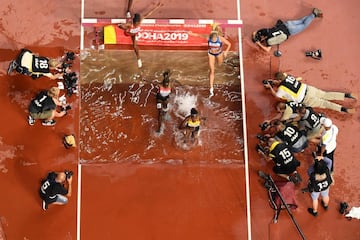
(211, 92)
(139, 63)
(128, 15)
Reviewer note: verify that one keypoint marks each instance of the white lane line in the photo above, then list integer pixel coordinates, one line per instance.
(78, 212)
(243, 106)
(82, 27)
(78, 203)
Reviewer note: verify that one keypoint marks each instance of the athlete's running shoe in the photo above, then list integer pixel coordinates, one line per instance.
(139, 62)
(48, 122)
(211, 92)
(128, 15)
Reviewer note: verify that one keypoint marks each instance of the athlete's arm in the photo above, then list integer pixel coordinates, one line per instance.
(228, 44)
(206, 36)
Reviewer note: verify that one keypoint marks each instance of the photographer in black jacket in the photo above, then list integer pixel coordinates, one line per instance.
(56, 188)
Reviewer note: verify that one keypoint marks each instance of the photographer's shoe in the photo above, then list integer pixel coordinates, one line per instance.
(45, 206)
(351, 95)
(323, 205)
(48, 122)
(317, 13)
(12, 67)
(311, 211)
(31, 120)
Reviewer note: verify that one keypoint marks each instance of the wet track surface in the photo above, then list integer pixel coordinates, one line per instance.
(137, 184)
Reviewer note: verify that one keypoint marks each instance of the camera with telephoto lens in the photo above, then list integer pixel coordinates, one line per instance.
(263, 126)
(70, 82)
(343, 207)
(257, 37)
(65, 109)
(262, 137)
(314, 54)
(65, 66)
(268, 81)
(69, 56)
(68, 174)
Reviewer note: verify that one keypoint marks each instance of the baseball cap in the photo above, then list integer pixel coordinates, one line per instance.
(326, 122)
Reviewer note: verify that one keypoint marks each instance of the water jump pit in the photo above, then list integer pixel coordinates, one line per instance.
(119, 115)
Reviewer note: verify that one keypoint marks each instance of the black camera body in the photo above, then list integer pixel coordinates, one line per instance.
(69, 56)
(262, 137)
(66, 108)
(257, 37)
(263, 126)
(70, 82)
(268, 81)
(68, 174)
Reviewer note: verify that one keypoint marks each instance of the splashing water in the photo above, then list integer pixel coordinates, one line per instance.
(183, 104)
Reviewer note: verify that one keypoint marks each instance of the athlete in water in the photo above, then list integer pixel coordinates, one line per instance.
(191, 124)
(162, 97)
(132, 27)
(215, 51)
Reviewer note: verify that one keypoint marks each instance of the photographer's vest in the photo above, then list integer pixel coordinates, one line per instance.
(321, 185)
(293, 105)
(47, 184)
(277, 34)
(293, 87)
(292, 136)
(40, 65)
(311, 118)
(281, 154)
(43, 102)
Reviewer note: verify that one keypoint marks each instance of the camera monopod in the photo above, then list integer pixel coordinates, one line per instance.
(268, 178)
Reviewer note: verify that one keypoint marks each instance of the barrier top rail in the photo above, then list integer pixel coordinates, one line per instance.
(90, 22)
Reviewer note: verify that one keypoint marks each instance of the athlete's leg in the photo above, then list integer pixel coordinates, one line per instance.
(297, 26)
(220, 58)
(135, 46)
(160, 114)
(211, 72)
(188, 133)
(129, 6)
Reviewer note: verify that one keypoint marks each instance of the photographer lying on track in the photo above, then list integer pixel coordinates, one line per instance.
(267, 37)
(310, 123)
(285, 162)
(288, 88)
(54, 190)
(30, 64)
(287, 113)
(44, 106)
(286, 132)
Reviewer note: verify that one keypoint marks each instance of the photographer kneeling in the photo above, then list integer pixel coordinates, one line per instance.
(54, 190)
(44, 105)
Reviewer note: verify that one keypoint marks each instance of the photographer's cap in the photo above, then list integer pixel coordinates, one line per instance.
(69, 140)
(326, 122)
